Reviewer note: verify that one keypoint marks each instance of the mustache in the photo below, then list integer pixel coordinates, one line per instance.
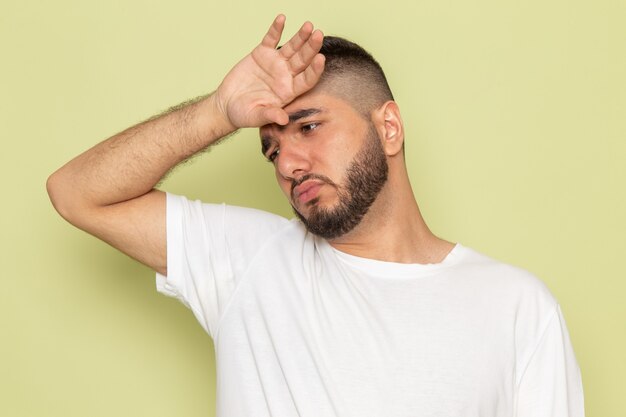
(323, 178)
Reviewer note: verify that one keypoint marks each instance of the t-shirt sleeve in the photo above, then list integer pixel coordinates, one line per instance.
(208, 248)
(551, 383)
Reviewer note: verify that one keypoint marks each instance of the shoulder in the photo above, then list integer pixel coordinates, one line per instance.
(239, 231)
(194, 209)
(259, 217)
(515, 293)
(511, 281)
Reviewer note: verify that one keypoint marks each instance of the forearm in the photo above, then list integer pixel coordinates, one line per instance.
(132, 162)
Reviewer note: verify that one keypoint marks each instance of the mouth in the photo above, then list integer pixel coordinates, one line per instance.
(306, 191)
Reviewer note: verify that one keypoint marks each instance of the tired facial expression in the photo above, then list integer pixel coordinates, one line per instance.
(328, 161)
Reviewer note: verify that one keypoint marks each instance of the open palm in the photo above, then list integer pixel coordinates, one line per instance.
(254, 92)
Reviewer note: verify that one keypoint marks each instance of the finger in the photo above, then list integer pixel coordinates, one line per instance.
(295, 43)
(272, 37)
(307, 79)
(276, 115)
(303, 58)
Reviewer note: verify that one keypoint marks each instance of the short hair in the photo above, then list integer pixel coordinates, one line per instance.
(353, 74)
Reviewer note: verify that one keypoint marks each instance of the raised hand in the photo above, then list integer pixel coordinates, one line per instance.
(255, 91)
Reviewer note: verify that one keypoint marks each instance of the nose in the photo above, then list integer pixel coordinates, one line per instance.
(293, 160)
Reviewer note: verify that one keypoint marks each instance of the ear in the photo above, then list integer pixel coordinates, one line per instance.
(389, 126)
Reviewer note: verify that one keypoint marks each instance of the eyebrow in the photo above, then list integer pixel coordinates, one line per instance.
(301, 114)
(293, 117)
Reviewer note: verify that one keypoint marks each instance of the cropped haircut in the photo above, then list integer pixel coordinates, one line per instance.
(352, 74)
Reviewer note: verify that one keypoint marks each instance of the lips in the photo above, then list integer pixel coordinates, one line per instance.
(307, 191)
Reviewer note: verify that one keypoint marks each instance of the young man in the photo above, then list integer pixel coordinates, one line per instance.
(355, 308)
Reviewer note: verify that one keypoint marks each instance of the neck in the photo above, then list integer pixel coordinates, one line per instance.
(394, 230)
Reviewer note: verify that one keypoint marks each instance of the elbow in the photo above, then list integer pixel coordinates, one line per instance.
(58, 193)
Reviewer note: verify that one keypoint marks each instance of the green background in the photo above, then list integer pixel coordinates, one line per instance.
(515, 114)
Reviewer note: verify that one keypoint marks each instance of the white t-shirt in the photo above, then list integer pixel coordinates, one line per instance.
(301, 329)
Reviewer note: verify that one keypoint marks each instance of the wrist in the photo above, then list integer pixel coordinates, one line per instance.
(215, 115)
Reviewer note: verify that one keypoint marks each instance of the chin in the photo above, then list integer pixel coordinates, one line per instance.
(313, 204)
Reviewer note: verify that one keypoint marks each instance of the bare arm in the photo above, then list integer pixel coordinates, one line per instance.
(108, 190)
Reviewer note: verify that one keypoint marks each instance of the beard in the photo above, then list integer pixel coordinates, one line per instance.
(365, 177)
